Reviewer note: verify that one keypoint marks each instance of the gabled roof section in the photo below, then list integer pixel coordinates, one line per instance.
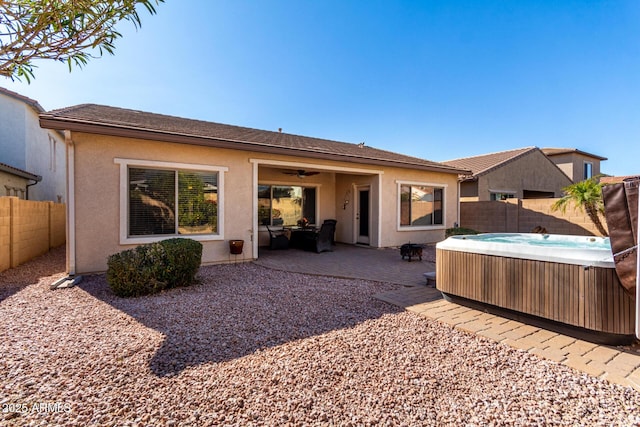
(485, 163)
(550, 152)
(19, 172)
(30, 102)
(105, 120)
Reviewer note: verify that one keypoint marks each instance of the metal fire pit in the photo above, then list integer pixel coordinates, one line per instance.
(411, 250)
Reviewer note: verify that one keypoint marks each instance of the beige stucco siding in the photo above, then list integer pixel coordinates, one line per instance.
(11, 185)
(533, 172)
(572, 164)
(97, 195)
(392, 234)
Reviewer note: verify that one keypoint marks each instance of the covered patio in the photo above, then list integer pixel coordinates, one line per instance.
(353, 261)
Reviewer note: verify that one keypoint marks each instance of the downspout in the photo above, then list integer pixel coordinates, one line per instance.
(457, 224)
(71, 204)
(638, 277)
(37, 180)
(379, 231)
(254, 208)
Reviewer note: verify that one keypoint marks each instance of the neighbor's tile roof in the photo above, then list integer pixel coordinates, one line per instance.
(485, 163)
(107, 120)
(19, 172)
(558, 151)
(615, 179)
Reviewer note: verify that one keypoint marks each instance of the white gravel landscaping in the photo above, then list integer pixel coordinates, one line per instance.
(255, 346)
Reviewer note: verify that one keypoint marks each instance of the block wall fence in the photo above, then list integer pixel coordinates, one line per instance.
(523, 215)
(28, 229)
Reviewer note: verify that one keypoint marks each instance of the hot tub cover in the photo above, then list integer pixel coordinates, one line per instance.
(621, 214)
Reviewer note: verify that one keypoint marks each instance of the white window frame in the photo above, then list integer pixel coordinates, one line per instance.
(512, 193)
(400, 227)
(52, 153)
(288, 184)
(584, 170)
(125, 164)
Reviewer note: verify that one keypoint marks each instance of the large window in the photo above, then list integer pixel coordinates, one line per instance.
(588, 170)
(501, 195)
(286, 204)
(160, 199)
(421, 205)
(172, 202)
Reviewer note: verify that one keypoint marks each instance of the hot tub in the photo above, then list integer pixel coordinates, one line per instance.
(567, 281)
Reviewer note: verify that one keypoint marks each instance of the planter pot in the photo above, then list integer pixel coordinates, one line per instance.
(235, 246)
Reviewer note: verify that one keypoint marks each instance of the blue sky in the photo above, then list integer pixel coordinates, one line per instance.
(432, 79)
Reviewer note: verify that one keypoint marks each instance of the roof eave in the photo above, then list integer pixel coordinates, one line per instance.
(561, 151)
(51, 122)
(20, 173)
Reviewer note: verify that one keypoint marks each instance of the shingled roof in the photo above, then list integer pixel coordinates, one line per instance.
(485, 163)
(105, 120)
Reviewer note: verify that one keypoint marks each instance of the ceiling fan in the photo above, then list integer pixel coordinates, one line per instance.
(300, 173)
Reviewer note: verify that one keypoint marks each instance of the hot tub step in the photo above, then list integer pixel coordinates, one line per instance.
(431, 278)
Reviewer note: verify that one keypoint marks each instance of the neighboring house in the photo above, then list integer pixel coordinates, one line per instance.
(606, 180)
(26, 146)
(138, 177)
(16, 182)
(576, 164)
(524, 173)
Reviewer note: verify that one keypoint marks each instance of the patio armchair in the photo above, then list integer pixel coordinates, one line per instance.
(320, 241)
(278, 239)
(334, 222)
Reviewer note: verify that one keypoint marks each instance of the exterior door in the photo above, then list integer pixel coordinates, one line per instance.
(363, 213)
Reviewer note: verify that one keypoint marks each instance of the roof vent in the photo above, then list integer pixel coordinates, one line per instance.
(280, 130)
(361, 145)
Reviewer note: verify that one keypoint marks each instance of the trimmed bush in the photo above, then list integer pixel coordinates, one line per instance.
(148, 269)
(456, 231)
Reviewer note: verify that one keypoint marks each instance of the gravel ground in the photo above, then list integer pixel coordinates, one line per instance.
(254, 346)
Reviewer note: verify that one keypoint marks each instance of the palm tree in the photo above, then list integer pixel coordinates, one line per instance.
(587, 195)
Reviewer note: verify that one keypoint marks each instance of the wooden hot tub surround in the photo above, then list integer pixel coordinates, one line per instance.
(587, 297)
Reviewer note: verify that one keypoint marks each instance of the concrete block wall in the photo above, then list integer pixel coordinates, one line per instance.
(57, 227)
(29, 229)
(5, 233)
(484, 216)
(523, 215)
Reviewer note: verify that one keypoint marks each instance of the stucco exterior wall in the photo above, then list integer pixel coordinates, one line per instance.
(25, 145)
(393, 234)
(573, 165)
(45, 157)
(12, 132)
(565, 163)
(97, 196)
(532, 172)
(10, 183)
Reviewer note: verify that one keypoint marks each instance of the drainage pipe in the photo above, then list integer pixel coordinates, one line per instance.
(35, 181)
(638, 274)
(71, 204)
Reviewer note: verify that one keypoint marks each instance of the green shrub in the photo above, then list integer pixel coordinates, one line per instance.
(456, 231)
(148, 269)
